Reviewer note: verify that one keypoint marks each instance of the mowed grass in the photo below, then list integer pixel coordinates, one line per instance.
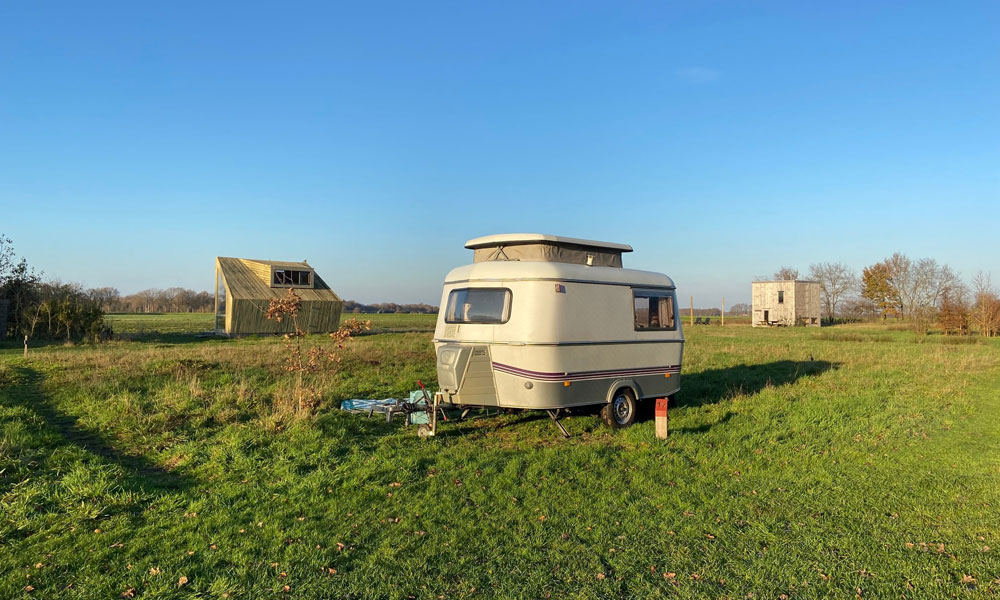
(807, 463)
(174, 323)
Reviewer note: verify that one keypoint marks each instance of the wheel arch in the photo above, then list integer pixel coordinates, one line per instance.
(628, 384)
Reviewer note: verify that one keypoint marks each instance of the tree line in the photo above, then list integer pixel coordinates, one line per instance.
(350, 306)
(35, 309)
(153, 300)
(921, 292)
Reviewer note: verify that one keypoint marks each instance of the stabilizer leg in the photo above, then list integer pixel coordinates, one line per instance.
(554, 415)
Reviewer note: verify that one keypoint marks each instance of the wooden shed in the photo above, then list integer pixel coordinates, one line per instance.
(244, 289)
(789, 302)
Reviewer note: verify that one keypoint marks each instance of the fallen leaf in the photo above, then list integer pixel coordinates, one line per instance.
(710, 536)
(285, 588)
(669, 575)
(600, 575)
(182, 581)
(340, 546)
(331, 571)
(282, 574)
(28, 588)
(968, 579)
(395, 484)
(155, 571)
(129, 593)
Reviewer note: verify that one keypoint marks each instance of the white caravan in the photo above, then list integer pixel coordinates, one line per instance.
(546, 322)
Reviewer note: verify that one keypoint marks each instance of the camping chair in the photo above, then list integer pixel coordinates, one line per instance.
(708, 320)
(697, 321)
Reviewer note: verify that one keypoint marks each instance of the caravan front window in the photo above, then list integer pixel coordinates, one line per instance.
(478, 305)
(653, 309)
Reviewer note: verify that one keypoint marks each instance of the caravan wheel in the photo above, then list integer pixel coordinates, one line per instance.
(621, 411)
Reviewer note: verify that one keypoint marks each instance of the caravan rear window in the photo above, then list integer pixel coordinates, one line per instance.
(653, 309)
(478, 305)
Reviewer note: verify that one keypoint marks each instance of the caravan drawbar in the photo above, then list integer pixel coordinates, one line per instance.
(546, 322)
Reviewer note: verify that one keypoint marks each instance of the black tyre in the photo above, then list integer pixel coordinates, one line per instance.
(621, 411)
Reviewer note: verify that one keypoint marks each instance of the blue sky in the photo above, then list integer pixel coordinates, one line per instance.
(721, 140)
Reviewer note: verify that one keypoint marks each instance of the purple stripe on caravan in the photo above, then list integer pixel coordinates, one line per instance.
(583, 375)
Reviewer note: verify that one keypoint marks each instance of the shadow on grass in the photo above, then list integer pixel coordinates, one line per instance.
(156, 337)
(697, 389)
(140, 473)
(714, 385)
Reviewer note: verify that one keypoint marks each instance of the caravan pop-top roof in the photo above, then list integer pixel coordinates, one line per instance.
(546, 248)
(500, 271)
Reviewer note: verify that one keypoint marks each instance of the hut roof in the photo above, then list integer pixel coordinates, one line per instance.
(249, 278)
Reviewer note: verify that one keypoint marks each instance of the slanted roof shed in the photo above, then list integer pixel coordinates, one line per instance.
(547, 248)
(245, 288)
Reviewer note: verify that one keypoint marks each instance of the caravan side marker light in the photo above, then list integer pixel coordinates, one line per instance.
(667, 375)
(565, 384)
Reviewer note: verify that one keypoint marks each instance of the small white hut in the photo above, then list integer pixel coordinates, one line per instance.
(786, 303)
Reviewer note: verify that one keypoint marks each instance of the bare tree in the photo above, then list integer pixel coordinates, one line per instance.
(105, 297)
(786, 274)
(986, 307)
(921, 285)
(835, 281)
(740, 309)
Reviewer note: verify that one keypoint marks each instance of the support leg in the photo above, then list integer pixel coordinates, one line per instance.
(554, 415)
(434, 414)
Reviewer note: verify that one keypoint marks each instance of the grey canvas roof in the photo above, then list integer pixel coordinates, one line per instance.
(510, 239)
(546, 248)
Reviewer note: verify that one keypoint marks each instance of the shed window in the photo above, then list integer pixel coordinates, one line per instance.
(653, 310)
(478, 305)
(288, 277)
(781, 297)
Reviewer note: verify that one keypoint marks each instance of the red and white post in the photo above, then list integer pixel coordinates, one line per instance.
(661, 418)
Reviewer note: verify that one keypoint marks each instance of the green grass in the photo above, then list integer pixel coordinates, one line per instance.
(809, 463)
(191, 323)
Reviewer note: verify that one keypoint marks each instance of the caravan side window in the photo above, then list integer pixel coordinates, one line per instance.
(478, 305)
(654, 309)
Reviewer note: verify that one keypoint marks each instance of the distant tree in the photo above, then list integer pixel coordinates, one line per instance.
(986, 308)
(954, 314)
(786, 274)
(18, 285)
(835, 280)
(7, 257)
(740, 309)
(858, 308)
(105, 297)
(876, 287)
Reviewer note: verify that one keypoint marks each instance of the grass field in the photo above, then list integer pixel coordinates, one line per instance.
(802, 463)
(174, 323)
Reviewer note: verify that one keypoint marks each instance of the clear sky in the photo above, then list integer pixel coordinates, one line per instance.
(721, 140)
